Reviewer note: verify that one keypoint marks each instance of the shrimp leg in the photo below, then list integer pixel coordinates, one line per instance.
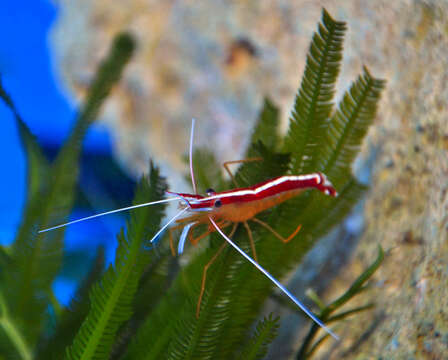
(227, 163)
(204, 273)
(275, 233)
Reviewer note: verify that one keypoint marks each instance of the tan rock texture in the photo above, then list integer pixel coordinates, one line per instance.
(216, 60)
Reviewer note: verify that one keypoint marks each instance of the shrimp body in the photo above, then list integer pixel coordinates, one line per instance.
(242, 204)
(220, 210)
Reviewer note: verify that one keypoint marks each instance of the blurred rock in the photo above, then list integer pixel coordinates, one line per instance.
(216, 60)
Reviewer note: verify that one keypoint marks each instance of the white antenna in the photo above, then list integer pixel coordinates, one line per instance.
(110, 212)
(168, 223)
(280, 286)
(193, 181)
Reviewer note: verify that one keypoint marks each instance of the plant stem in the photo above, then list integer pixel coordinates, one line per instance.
(13, 333)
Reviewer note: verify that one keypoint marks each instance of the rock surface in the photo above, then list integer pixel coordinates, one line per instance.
(215, 61)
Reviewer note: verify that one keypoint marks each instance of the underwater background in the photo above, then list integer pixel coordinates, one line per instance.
(403, 158)
(29, 72)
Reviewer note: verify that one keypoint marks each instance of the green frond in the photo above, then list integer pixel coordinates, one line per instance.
(37, 168)
(13, 344)
(188, 337)
(71, 318)
(5, 258)
(159, 329)
(328, 212)
(15, 333)
(36, 163)
(112, 297)
(153, 286)
(314, 101)
(279, 258)
(345, 314)
(178, 334)
(33, 253)
(194, 338)
(107, 75)
(272, 164)
(266, 128)
(234, 290)
(263, 144)
(308, 348)
(142, 307)
(251, 289)
(358, 284)
(321, 215)
(64, 174)
(156, 333)
(265, 332)
(348, 127)
(207, 171)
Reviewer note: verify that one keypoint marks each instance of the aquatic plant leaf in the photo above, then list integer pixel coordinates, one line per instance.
(178, 334)
(234, 290)
(158, 330)
(142, 308)
(266, 127)
(348, 127)
(37, 257)
(345, 314)
(37, 169)
(207, 171)
(308, 348)
(263, 145)
(36, 163)
(107, 75)
(187, 330)
(13, 344)
(271, 164)
(5, 258)
(314, 101)
(358, 284)
(71, 318)
(328, 212)
(265, 332)
(154, 283)
(112, 297)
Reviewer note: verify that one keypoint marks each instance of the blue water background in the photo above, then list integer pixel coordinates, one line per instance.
(32, 79)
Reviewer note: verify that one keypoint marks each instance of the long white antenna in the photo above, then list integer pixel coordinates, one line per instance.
(191, 156)
(111, 212)
(280, 286)
(168, 223)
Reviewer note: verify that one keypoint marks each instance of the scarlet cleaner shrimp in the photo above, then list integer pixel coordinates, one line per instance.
(232, 207)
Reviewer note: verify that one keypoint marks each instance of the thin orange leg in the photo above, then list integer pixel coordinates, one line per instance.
(204, 273)
(275, 233)
(190, 234)
(195, 240)
(227, 163)
(251, 240)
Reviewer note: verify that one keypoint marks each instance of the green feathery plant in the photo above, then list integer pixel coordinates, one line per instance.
(326, 311)
(34, 259)
(143, 307)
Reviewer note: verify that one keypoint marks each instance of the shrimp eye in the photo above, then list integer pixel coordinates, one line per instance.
(218, 203)
(210, 191)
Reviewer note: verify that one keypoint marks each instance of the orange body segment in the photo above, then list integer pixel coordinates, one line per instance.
(243, 211)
